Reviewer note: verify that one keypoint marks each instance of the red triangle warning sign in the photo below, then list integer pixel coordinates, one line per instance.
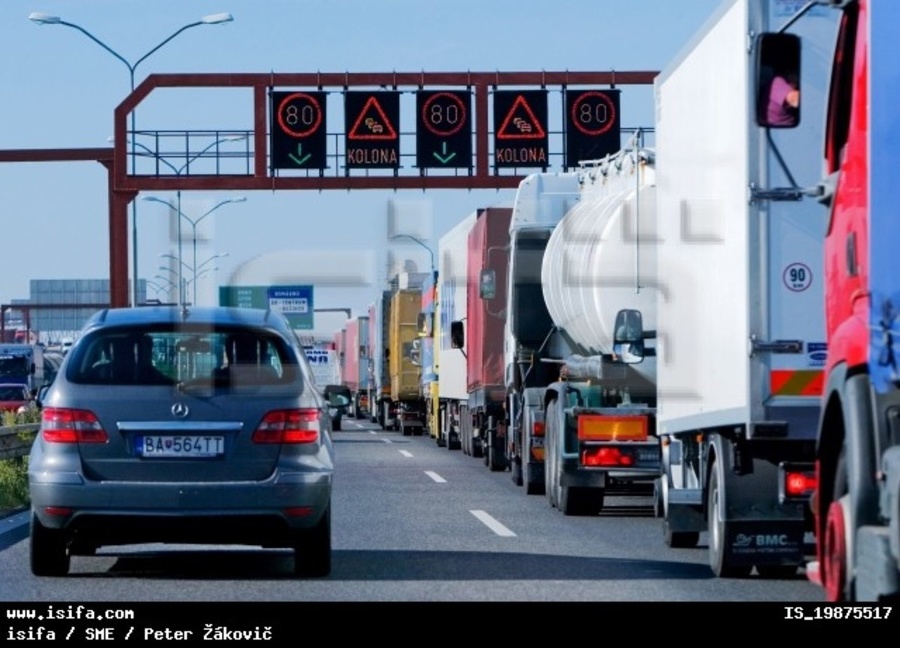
(372, 123)
(520, 122)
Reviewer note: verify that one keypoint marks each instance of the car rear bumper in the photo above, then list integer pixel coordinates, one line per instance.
(216, 512)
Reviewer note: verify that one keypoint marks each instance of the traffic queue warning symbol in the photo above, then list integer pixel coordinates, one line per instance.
(520, 138)
(592, 125)
(298, 130)
(371, 138)
(443, 129)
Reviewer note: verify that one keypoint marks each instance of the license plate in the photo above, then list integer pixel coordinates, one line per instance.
(180, 446)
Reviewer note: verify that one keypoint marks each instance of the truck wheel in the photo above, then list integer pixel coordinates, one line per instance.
(777, 571)
(659, 505)
(495, 460)
(680, 539)
(551, 482)
(834, 542)
(534, 483)
(49, 554)
(516, 472)
(574, 500)
(718, 531)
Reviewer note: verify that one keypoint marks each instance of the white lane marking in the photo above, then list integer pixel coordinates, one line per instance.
(436, 477)
(492, 524)
(406, 453)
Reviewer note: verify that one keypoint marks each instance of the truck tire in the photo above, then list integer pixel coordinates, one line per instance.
(834, 543)
(679, 539)
(777, 571)
(577, 500)
(534, 483)
(516, 471)
(551, 483)
(718, 531)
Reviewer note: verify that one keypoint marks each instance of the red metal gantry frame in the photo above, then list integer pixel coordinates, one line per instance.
(124, 187)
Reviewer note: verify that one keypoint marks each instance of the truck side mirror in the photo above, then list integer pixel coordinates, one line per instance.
(778, 80)
(629, 326)
(424, 324)
(487, 284)
(628, 340)
(457, 335)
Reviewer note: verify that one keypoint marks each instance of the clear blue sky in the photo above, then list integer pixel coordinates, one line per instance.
(59, 89)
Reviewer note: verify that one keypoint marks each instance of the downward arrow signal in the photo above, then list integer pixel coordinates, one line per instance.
(299, 159)
(443, 157)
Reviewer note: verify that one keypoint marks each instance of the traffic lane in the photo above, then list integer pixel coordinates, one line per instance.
(400, 535)
(624, 541)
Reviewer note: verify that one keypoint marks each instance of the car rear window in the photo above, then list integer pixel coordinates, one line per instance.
(170, 356)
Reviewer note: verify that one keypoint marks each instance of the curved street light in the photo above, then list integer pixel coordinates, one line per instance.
(193, 222)
(40, 18)
(420, 242)
(158, 288)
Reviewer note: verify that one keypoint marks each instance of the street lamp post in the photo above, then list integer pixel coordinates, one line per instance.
(193, 222)
(197, 271)
(178, 171)
(420, 242)
(212, 19)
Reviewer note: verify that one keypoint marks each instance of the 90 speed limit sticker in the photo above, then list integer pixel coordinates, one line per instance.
(797, 277)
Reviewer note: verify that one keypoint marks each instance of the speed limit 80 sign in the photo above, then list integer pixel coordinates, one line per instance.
(443, 129)
(298, 136)
(592, 125)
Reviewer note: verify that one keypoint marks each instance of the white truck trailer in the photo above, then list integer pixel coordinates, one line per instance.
(451, 307)
(741, 339)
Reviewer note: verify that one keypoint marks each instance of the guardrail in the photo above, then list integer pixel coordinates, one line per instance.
(16, 440)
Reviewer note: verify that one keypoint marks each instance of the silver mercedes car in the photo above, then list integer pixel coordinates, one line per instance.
(183, 425)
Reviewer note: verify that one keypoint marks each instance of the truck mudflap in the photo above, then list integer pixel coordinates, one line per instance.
(774, 547)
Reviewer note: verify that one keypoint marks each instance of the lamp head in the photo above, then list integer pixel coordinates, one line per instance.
(44, 19)
(216, 19)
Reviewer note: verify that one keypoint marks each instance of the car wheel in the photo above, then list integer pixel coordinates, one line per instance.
(49, 554)
(312, 551)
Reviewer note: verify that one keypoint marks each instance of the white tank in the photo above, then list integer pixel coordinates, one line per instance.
(600, 257)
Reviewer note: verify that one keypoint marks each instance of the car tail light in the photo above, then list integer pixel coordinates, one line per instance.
(606, 457)
(288, 426)
(63, 425)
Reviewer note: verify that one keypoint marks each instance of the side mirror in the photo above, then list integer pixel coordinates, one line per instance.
(338, 400)
(629, 326)
(628, 340)
(41, 395)
(778, 80)
(487, 284)
(424, 324)
(457, 335)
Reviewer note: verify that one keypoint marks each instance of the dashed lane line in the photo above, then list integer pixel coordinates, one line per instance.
(493, 525)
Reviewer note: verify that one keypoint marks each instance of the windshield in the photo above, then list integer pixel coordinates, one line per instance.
(14, 366)
(170, 356)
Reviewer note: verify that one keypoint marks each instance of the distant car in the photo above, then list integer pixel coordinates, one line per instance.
(149, 435)
(15, 397)
(338, 407)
